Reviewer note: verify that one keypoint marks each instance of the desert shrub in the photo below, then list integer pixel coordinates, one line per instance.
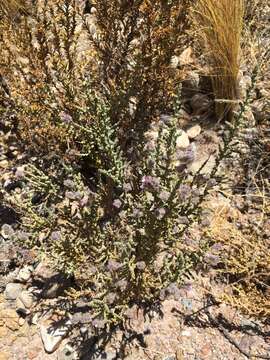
(123, 231)
(124, 51)
(135, 50)
(39, 65)
(114, 237)
(109, 198)
(220, 26)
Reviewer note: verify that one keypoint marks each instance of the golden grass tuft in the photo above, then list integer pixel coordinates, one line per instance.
(246, 264)
(219, 26)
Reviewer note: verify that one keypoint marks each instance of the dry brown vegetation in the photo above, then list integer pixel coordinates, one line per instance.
(245, 262)
(219, 25)
(127, 61)
(11, 7)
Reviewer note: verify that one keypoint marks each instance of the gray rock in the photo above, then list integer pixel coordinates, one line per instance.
(200, 103)
(196, 165)
(248, 323)
(35, 290)
(54, 283)
(53, 334)
(27, 299)
(12, 276)
(6, 231)
(12, 291)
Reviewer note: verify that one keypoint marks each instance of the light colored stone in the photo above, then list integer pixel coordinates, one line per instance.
(182, 141)
(3, 332)
(194, 131)
(196, 165)
(186, 333)
(175, 62)
(52, 335)
(185, 58)
(12, 291)
(21, 321)
(21, 308)
(35, 318)
(25, 274)
(27, 299)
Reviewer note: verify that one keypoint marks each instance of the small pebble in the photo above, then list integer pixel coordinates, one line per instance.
(194, 131)
(12, 291)
(182, 141)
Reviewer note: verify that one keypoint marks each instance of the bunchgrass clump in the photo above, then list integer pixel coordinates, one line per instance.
(220, 26)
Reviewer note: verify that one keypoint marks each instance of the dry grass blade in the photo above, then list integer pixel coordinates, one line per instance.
(9, 7)
(246, 264)
(220, 25)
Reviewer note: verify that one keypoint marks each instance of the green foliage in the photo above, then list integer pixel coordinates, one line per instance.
(122, 231)
(108, 199)
(130, 219)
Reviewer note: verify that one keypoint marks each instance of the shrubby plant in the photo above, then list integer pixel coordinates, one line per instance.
(108, 198)
(113, 238)
(122, 232)
(244, 261)
(124, 50)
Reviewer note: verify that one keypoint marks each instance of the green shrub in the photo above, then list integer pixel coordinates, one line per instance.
(113, 238)
(109, 199)
(122, 231)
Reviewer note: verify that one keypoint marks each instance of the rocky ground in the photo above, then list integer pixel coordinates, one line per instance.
(191, 327)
